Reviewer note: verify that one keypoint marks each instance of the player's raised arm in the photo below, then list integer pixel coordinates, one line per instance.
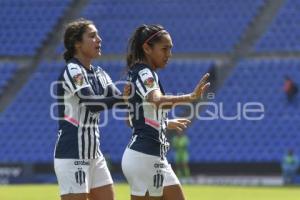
(168, 101)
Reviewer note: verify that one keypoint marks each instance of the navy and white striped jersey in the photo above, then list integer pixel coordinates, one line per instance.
(78, 136)
(149, 123)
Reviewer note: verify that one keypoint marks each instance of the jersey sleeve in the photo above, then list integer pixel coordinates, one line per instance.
(75, 78)
(146, 82)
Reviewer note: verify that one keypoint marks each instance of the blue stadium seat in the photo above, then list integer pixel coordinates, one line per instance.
(242, 140)
(27, 24)
(283, 34)
(195, 26)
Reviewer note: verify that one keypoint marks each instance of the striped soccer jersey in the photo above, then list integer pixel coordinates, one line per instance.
(149, 123)
(78, 136)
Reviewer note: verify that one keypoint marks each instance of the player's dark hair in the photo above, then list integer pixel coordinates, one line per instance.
(149, 34)
(73, 34)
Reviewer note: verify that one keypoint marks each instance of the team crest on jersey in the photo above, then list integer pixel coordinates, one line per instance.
(78, 79)
(149, 82)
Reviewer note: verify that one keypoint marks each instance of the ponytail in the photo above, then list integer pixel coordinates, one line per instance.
(68, 55)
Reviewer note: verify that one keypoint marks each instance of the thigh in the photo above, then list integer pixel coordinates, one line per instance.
(170, 176)
(102, 193)
(146, 197)
(173, 192)
(82, 196)
(143, 174)
(72, 176)
(132, 167)
(99, 173)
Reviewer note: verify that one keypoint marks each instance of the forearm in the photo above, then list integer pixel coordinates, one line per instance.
(168, 101)
(97, 103)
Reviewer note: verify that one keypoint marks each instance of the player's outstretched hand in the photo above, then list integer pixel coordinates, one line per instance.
(178, 124)
(201, 87)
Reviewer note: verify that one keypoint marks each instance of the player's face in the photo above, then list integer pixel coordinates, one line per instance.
(90, 46)
(161, 52)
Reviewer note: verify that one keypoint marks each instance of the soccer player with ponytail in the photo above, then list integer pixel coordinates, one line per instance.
(144, 162)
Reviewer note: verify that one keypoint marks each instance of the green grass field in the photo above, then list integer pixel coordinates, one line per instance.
(192, 192)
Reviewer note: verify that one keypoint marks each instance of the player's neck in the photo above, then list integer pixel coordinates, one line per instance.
(149, 63)
(84, 61)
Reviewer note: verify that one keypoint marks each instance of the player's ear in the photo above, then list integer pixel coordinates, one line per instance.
(77, 45)
(147, 49)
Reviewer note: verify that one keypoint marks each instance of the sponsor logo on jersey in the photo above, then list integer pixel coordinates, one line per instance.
(81, 162)
(159, 165)
(149, 82)
(78, 79)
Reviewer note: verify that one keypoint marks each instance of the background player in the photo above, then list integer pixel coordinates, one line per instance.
(180, 144)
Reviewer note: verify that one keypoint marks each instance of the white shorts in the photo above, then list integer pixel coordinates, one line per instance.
(80, 176)
(147, 173)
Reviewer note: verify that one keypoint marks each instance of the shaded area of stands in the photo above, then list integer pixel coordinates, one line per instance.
(7, 71)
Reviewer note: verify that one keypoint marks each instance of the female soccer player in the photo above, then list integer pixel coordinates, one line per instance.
(83, 91)
(144, 163)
